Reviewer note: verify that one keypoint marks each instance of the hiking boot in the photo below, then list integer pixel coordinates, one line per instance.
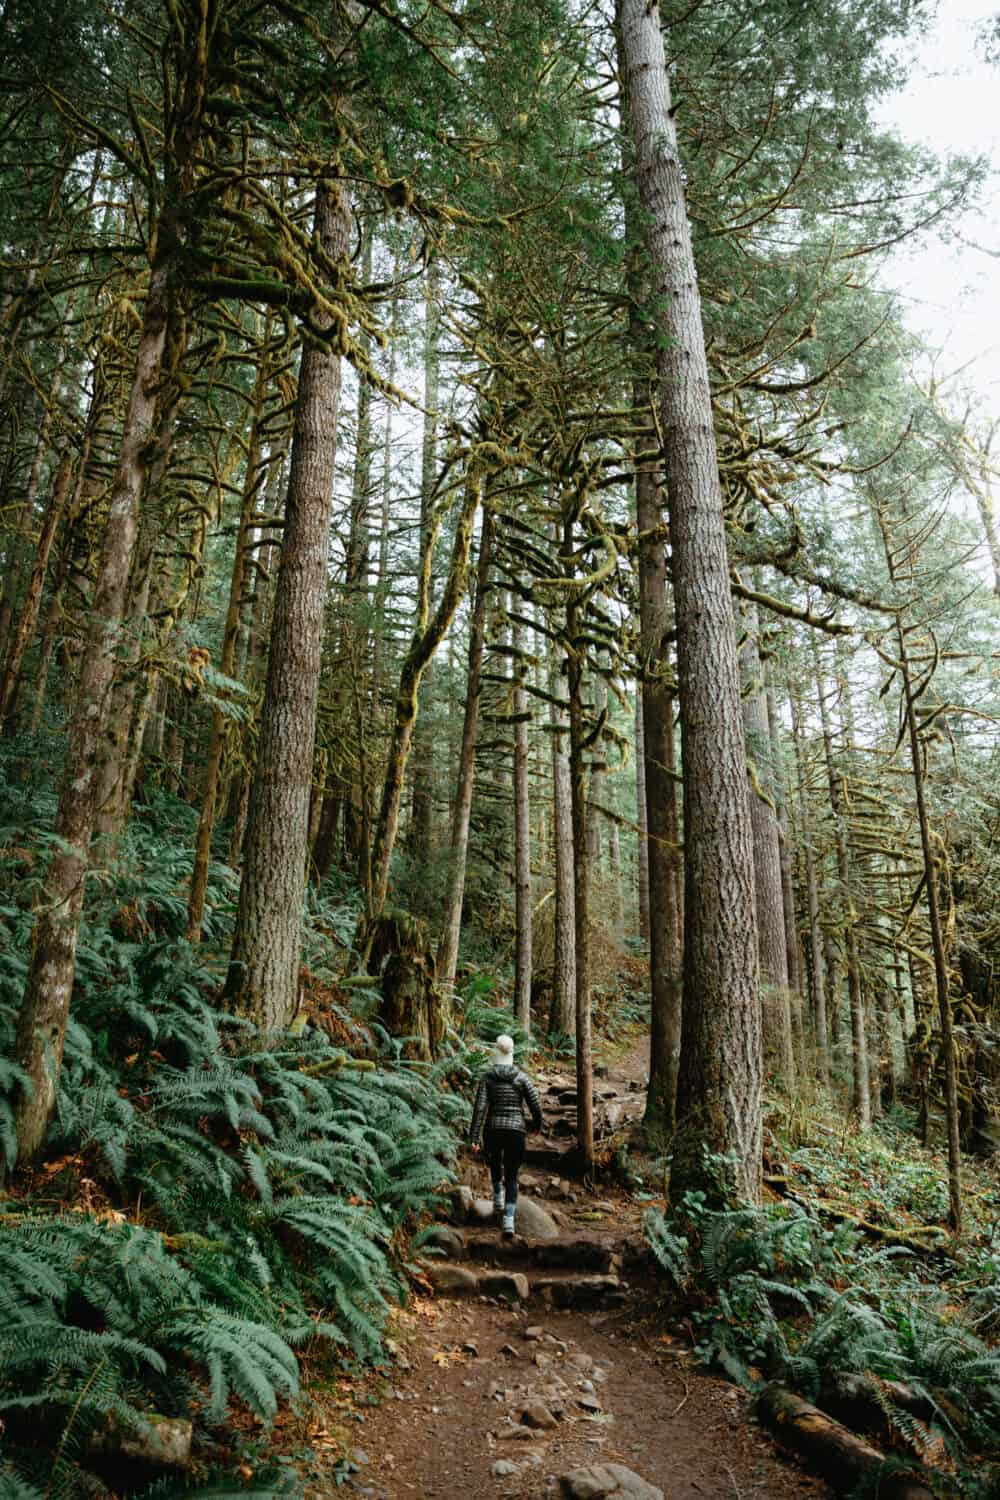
(508, 1223)
(498, 1200)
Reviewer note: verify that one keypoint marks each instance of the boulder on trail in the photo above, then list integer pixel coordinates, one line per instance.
(596, 1481)
(534, 1222)
(510, 1284)
(456, 1280)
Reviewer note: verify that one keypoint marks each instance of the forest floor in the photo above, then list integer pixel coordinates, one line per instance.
(494, 1393)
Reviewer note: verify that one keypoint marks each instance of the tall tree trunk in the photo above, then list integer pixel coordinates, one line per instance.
(422, 817)
(779, 1054)
(581, 869)
(662, 818)
(253, 477)
(447, 954)
(427, 638)
(861, 1095)
(820, 1023)
(28, 618)
(263, 980)
(931, 890)
(522, 839)
(641, 819)
(44, 1013)
(719, 1096)
(563, 1016)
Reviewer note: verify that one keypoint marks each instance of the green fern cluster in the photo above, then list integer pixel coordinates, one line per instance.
(275, 1180)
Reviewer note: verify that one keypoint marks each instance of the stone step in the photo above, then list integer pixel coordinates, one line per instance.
(566, 1289)
(571, 1254)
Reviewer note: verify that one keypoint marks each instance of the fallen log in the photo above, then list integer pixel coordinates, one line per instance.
(160, 1442)
(840, 1455)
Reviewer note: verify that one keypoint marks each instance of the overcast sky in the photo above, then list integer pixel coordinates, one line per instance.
(950, 290)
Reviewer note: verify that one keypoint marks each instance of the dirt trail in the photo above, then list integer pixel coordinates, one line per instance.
(547, 1354)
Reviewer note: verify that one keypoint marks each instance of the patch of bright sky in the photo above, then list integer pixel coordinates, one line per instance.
(949, 289)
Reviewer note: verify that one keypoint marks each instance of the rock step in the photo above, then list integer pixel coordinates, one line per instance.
(569, 1289)
(574, 1255)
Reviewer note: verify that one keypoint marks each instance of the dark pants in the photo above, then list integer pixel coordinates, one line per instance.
(505, 1153)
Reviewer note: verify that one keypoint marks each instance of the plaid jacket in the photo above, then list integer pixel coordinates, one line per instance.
(500, 1099)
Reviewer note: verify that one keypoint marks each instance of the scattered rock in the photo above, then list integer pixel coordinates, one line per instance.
(444, 1237)
(596, 1481)
(589, 1403)
(510, 1284)
(482, 1208)
(585, 1291)
(582, 1255)
(534, 1222)
(458, 1280)
(510, 1351)
(581, 1361)
(537, 1414)
(517, 1433)
(602, 1071)
(471, 1347)
(504, 1469)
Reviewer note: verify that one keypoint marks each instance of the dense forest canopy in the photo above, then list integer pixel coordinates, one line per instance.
(472, 522)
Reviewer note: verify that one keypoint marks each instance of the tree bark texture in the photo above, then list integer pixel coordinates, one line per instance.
(422, 815)
(719, 1097)
(263, 976)
(662, 817)
(816, 954)
(642, 825)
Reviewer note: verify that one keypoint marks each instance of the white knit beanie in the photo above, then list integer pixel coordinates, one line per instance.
(503, 1049)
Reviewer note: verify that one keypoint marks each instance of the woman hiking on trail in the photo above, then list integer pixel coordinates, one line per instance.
(498, 1116)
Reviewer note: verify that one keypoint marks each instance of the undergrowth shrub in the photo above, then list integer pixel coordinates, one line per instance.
(775, 1294)
(235, 1193)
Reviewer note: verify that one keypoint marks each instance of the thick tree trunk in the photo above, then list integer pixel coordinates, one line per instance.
(44, 1011)
(447, 954)
(662, 819)
(263, 979)
(719, 1097)
(522, 841)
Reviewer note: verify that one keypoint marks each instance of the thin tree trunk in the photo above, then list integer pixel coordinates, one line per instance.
(581, 872)
(422, 816)
(254, 474)
(562, 1019)
(263, 980)
(719, 1096)
(522, 840)
(44, 1011)
(28, 618)
(642, 837)
(820, 1023)
(779, 1055)
(447, 955)
(426, 641)
(861, 1096)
